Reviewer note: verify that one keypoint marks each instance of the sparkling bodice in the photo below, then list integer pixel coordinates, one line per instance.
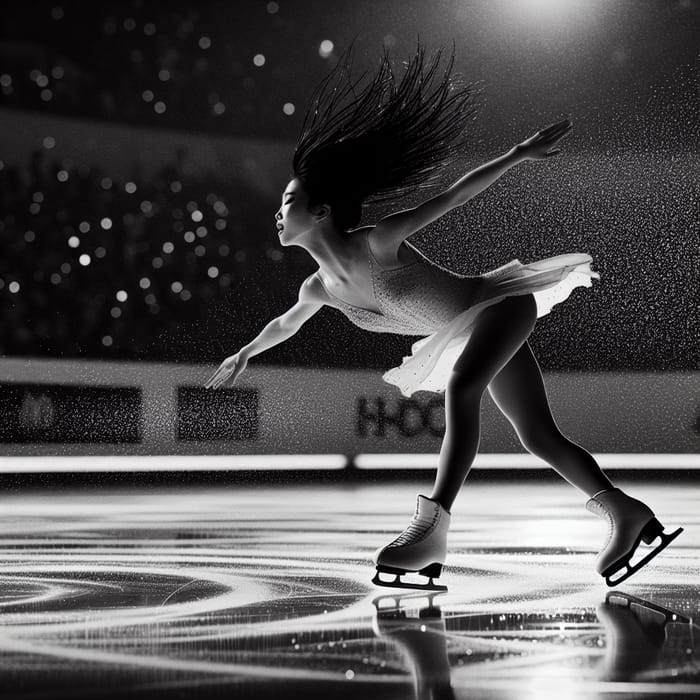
(416, 299)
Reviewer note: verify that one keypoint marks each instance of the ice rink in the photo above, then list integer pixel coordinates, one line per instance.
(265, 592)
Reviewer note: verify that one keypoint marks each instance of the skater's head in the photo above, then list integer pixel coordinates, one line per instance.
(299, 214)
(382, 140)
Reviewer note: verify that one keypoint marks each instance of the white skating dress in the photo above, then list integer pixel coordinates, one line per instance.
(427, 300)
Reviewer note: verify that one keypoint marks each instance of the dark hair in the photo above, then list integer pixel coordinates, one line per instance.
(387, 140)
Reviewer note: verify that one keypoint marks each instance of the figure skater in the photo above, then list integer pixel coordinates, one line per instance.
(377, 143)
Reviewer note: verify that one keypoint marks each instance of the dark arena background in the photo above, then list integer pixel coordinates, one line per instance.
(161, 539)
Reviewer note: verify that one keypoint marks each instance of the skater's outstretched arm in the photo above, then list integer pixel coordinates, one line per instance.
(275, 332)
(395, 228)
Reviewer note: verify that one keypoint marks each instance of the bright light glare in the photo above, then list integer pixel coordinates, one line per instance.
(546, 16)
(543, 5)
(549, 8)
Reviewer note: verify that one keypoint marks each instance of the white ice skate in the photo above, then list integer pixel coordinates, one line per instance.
(421, 548)
(630, 521)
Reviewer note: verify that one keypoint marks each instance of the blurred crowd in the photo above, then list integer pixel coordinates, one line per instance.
(142, 63)
(100, 267)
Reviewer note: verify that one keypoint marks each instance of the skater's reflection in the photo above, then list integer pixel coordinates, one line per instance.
(422, 636)
(637, 631)
(643, 640)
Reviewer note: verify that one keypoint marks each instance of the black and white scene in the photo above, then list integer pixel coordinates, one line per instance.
(350, 349)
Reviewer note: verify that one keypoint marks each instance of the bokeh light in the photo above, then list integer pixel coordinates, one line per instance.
(182, 201)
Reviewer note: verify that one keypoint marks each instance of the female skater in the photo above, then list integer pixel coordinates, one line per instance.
(379, 143)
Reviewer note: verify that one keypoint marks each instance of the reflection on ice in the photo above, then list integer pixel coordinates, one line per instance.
(250, 588)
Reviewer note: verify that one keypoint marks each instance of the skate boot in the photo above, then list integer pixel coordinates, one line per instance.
(630, 521)
(420, 548)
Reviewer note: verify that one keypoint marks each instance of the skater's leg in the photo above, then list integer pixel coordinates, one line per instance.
(500, 330)
(518, 390)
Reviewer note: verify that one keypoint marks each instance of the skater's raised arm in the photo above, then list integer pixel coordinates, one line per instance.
(395, 228)
(275, 332)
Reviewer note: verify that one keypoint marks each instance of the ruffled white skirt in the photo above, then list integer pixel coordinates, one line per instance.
(432, 358)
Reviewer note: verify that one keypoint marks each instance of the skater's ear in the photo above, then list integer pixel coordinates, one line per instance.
(321, 211)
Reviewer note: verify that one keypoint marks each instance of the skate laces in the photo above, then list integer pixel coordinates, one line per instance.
(417, 529)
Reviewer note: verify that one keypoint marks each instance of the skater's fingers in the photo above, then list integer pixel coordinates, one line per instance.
(563, 124)
(223, 371)
(553, 136)
(561, 133)
(556, 131)
(213, 377)
(223, 376)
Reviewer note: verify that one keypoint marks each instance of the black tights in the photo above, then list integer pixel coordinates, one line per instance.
(498, 356)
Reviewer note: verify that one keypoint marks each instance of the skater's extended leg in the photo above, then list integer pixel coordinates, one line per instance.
(500, 330)
(518, 391)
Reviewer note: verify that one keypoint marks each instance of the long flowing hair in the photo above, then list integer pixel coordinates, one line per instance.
(385, 139)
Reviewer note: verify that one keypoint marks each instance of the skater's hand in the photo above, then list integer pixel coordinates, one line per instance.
(537, 146)
(228, 370)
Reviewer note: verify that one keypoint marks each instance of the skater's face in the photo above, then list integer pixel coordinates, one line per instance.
(296, 216)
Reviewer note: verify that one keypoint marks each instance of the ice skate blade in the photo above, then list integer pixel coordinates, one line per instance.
(397, 583)
(623, 563)
(398, 598)
(430, 572)
(626, 600)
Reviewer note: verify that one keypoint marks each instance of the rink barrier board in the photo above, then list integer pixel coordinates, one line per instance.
(294, 411)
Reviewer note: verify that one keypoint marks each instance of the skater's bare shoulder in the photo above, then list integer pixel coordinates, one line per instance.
(312, 298)
(312, 291)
